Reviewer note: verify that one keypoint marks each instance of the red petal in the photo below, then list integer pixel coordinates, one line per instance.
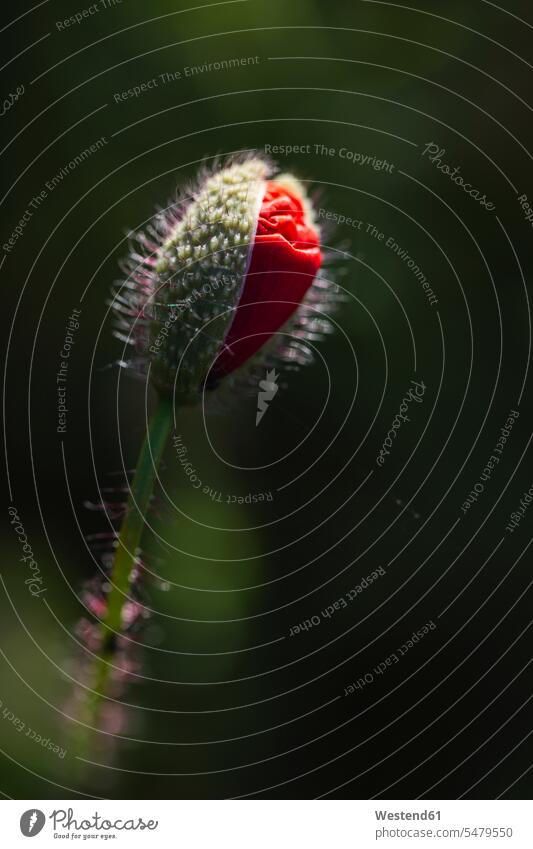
(285, 259)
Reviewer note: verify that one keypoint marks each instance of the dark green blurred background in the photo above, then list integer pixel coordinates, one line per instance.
(229, 703)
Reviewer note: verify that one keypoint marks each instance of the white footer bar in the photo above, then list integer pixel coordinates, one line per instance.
(267, 824)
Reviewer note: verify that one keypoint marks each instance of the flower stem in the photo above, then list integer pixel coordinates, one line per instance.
(132, 526)
(126, 554)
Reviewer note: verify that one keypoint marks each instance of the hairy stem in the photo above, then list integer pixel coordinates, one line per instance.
(132, 526)
(127, 552)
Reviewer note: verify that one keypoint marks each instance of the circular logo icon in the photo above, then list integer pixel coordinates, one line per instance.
(32, 822)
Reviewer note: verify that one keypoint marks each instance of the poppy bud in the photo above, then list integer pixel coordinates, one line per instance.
(217, 276)
(217, 280)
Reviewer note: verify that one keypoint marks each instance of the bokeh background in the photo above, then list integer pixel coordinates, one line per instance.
(227, 703)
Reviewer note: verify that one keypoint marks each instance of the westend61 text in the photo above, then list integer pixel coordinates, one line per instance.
(407, 815)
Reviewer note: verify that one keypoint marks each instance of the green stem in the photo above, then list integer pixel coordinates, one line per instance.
(133, 524)
(127, 550)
